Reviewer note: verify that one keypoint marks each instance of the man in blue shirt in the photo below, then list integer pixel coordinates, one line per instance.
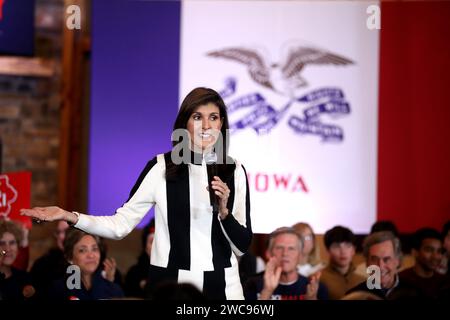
(280, 280)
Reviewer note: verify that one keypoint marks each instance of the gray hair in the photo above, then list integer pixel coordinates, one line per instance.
(379, 237)
(284, 230)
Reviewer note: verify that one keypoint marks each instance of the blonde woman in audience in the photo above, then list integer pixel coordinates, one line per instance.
(309, 259)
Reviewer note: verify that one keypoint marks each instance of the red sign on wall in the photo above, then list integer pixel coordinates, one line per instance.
(15, 194)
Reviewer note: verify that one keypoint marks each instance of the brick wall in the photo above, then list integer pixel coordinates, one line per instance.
(29, 128)
(29, 110)
(29, 119)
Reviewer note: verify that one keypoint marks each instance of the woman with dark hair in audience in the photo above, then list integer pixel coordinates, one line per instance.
(84, 281)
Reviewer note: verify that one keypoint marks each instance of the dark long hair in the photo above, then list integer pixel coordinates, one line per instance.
(73, 236)
(198, 97)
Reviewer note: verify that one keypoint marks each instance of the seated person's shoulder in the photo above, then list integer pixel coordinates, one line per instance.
(113, 289)
(21, 276)
(361, 295)
(362, 286)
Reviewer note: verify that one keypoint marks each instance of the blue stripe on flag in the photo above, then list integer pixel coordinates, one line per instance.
(134, 93)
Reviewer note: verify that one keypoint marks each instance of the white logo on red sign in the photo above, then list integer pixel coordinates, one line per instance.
(8, 195)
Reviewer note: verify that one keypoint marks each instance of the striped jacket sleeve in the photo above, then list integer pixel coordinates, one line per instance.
(237, 225)
(132, 211)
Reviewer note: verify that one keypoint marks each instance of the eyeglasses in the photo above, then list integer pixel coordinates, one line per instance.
(307, 238)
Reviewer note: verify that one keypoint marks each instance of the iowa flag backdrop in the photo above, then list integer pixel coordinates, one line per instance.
(300, 80)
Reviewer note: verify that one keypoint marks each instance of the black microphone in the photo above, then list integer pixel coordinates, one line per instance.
(211, 168)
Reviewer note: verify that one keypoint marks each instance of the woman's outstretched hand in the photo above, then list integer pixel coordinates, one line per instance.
(49, 214)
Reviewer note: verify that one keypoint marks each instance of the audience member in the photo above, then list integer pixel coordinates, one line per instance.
(309, 260)
(427, 251)
(383, 250)
(339, 276)
(51, 266)
(137, 276)
(173, 291)
(23, 254)
(281, 280)
(250, 265)
(82, 250)
(443, 266)
(15, 284)
(382, 225)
